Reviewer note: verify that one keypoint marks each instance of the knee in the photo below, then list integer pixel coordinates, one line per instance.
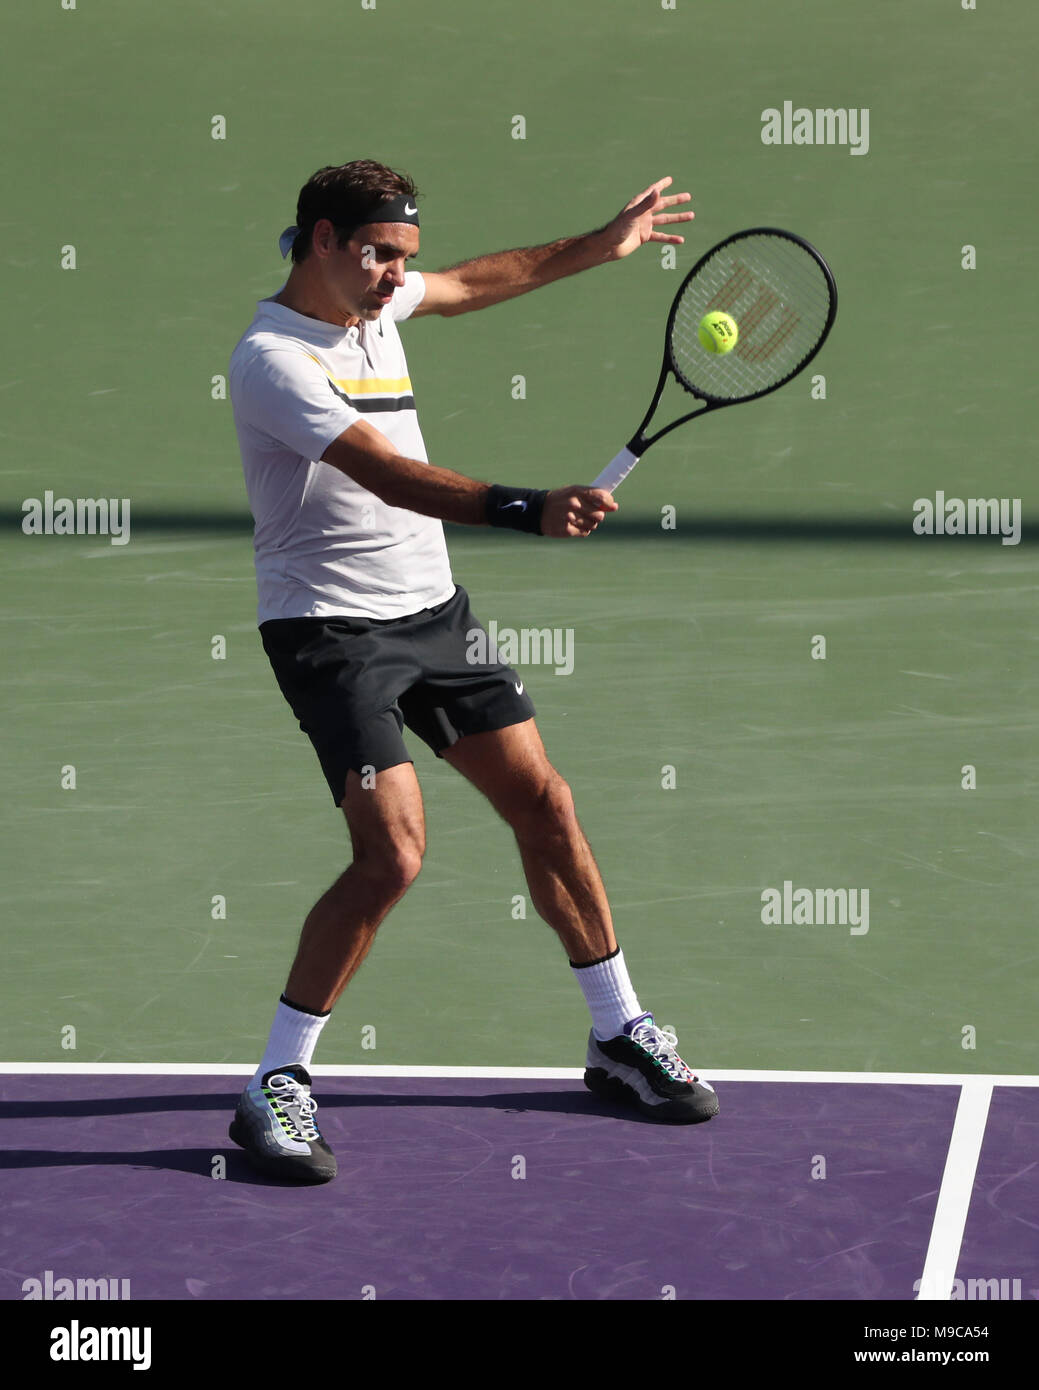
(393, 868)
(546, 812)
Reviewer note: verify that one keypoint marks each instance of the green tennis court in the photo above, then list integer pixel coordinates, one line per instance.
(714, 751)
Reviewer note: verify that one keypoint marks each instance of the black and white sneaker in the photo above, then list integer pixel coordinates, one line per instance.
(642, 1068)
(274, 1123)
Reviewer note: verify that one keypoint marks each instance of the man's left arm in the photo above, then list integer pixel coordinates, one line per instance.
(487, 280)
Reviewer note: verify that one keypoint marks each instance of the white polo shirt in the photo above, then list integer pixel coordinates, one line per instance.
(323, 544)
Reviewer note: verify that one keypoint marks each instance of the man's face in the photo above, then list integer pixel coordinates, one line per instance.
(363, 275)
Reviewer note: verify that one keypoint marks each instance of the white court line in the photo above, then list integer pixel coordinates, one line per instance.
(852, 1078)
(950, 1215)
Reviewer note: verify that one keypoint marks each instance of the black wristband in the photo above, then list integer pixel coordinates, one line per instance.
(517, 507)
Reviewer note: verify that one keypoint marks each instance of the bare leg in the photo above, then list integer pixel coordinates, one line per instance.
(511, 768)
(387, 828)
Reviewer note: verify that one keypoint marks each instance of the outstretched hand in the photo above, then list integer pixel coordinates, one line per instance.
(575, 511)
(640, 220)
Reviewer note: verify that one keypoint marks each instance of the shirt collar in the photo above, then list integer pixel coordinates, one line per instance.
(328, 333)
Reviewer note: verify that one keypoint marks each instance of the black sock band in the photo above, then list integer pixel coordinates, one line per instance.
(587, 964)
(301, 1010)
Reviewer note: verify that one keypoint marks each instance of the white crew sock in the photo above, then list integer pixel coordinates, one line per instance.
(294, 1036)
(609, 995)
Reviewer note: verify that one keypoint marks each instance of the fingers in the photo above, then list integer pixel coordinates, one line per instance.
(651, 201)
(676, 198)
(649, 194)
(662, 219)
(595, 500)
(587, 507)
(576, 511)
(638, 207)
(578, 524)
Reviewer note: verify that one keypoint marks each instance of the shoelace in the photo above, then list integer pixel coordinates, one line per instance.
(662, 1044)
(291, 1089)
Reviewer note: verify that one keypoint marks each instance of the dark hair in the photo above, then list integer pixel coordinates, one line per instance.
(346, 194)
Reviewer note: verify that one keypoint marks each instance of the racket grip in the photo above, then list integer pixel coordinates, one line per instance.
(617, 470)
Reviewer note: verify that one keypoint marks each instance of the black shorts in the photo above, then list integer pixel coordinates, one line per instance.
(353, 683)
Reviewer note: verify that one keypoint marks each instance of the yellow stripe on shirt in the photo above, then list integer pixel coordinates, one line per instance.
(372, 385)
(382, 385)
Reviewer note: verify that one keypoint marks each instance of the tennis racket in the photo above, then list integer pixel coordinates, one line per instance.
(783, 298)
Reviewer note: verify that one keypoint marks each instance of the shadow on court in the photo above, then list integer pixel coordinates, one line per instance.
(576, 1102)
(199, 1161)
(615, 529)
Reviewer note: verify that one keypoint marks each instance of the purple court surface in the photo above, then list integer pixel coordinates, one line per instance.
(489, 1188)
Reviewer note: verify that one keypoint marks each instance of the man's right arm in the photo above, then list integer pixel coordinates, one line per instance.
(365, 454)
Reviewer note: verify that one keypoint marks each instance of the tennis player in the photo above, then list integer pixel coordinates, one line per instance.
(367, 631)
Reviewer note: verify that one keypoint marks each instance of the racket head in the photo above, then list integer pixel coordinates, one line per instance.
(783, 297)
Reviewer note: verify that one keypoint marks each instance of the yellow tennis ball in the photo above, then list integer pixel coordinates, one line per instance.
(718, 332)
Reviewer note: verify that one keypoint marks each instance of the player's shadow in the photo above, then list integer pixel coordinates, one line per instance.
(630, 526)
(575, 1100)
(199, 1161)
(765, 529)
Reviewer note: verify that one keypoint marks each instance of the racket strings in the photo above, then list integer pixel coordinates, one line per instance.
(780, 298)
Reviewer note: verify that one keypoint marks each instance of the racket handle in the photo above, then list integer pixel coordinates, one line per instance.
(617, 470)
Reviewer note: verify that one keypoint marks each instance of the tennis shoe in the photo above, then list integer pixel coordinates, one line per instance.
(274, 1123)
(641, 1067)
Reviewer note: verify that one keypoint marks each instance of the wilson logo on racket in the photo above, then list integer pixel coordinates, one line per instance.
(758, 302)
(782, 297)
